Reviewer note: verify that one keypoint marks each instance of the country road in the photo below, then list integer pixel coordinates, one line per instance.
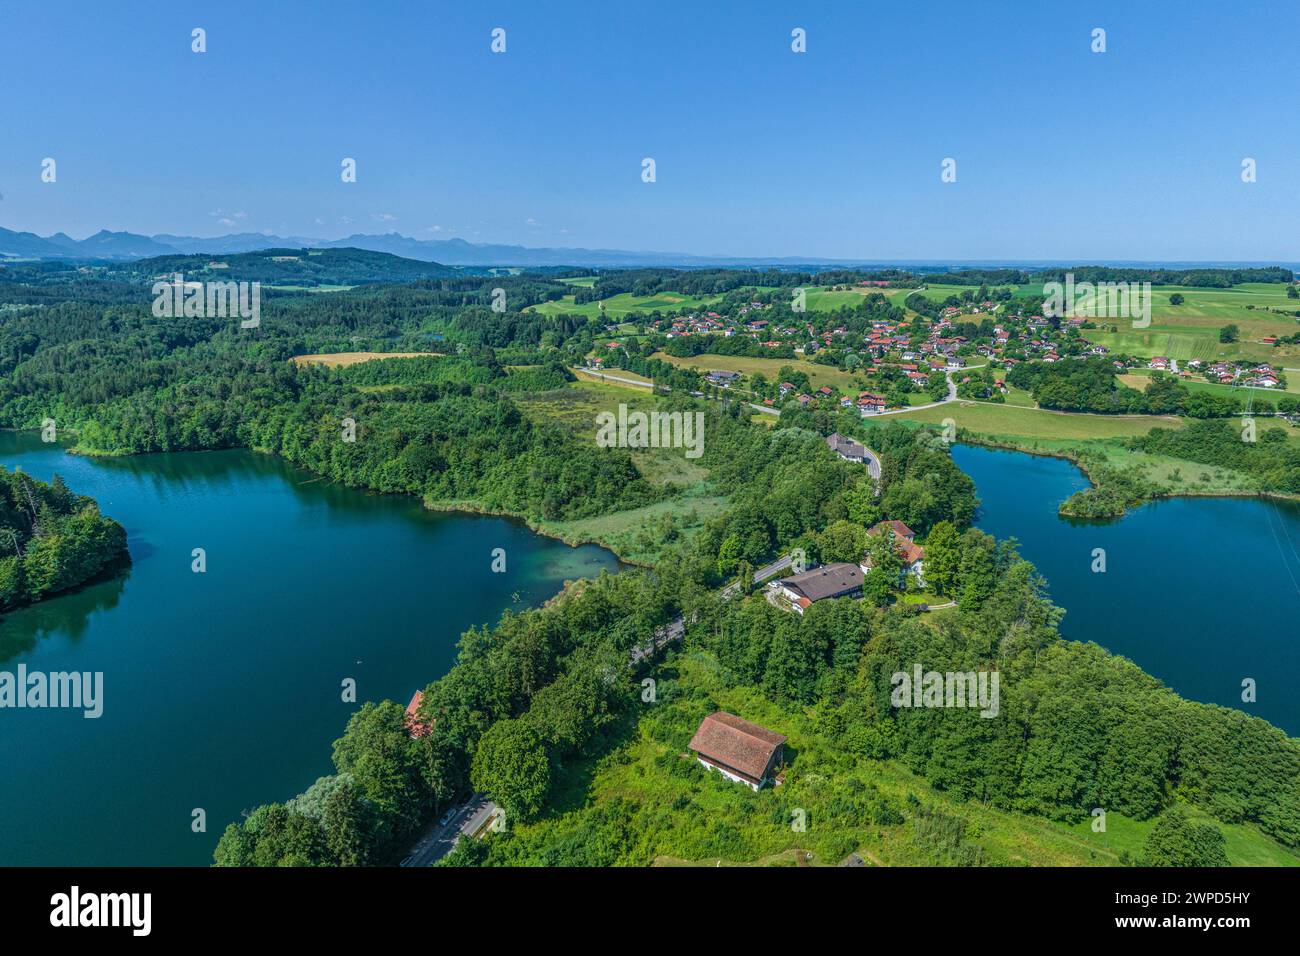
(440, 838)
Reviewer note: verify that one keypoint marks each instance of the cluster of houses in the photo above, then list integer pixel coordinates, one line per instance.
(844, 579)
(1224, 373)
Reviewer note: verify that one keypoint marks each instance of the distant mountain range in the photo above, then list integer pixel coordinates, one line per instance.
(452, 252)
(457, 252)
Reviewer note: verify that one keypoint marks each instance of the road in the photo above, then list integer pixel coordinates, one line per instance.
(873, 467)
(440, 839)
(951, 396)
(616, 378)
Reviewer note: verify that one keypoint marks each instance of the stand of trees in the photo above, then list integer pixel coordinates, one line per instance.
(50, 539)
(1091, 385)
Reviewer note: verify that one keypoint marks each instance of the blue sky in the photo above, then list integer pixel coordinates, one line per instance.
(1061, 153)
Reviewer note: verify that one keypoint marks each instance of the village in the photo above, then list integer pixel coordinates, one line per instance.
(896, 360)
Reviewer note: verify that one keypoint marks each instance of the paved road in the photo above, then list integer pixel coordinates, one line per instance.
(674, 629)
(440, 839)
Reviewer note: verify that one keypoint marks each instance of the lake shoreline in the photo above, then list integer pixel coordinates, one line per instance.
(463, 507)
(307, 583)
(977, 441)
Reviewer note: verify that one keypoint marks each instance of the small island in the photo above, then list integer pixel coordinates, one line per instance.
(51, 539)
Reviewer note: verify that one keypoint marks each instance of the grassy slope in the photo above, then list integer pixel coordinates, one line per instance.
(819, 375)
(682, 816)
(632, 535)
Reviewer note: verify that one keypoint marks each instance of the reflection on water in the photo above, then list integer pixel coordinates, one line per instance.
(1200, 592)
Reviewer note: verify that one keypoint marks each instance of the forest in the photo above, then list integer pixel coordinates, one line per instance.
(51, 539)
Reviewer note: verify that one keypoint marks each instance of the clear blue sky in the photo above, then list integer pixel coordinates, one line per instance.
(1061, 153)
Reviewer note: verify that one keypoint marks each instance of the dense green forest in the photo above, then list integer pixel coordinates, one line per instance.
(50, 538)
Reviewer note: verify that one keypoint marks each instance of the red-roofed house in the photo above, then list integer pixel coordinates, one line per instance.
(414, 725)
(741, 751)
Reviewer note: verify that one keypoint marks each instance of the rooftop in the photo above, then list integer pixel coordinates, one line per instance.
(736, 743)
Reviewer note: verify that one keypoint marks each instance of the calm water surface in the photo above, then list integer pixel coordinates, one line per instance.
(1200, 592)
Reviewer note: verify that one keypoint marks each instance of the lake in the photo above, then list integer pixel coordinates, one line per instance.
(222, 690)
(1200, 592)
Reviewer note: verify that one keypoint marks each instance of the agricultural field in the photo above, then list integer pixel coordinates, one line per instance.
(1191, 330)
(819, 375)
(1139, 378)
(625, 303)
(342, 359)
(309, 288)
(827, 299)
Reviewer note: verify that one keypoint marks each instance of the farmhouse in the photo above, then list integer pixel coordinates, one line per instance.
(847, 448)
(828, 581)
(739, 750)
(722, 378)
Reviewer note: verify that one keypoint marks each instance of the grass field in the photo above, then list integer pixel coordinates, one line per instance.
(585, 376)
(310, 288)
(635, 535)
(640, 535)
(1033, 423)
(1191, 330)
(577, 407)
(819, 375)
(625, 303)
(340, 359)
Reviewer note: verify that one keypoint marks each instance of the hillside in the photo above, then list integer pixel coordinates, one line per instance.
(309, 268)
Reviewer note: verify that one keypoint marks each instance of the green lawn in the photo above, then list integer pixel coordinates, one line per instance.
(1139, 377)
